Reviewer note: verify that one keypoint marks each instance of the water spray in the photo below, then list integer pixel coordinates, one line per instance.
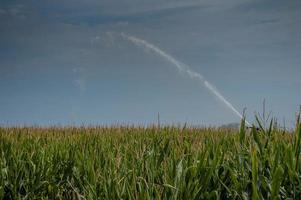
(183, 68)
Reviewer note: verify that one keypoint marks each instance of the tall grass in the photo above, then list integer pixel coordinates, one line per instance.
(150, 163)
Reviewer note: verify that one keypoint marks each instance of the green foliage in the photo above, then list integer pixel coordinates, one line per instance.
(150, 163)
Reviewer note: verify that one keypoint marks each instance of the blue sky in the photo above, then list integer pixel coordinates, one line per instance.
(63, 62)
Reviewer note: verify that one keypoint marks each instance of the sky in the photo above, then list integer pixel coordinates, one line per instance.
(64, 62)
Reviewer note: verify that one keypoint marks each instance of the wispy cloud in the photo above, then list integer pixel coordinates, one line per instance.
(16, 11)
(2, 11)
(80, 79)
(80, 84)
(123, 19)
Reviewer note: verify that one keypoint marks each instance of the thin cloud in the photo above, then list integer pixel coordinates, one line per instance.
(80, 84)
(3, 12)
(80, 80)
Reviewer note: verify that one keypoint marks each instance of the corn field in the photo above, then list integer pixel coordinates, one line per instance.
(128, 162)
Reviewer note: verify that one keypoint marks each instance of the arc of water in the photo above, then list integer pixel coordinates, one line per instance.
(184, 68)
